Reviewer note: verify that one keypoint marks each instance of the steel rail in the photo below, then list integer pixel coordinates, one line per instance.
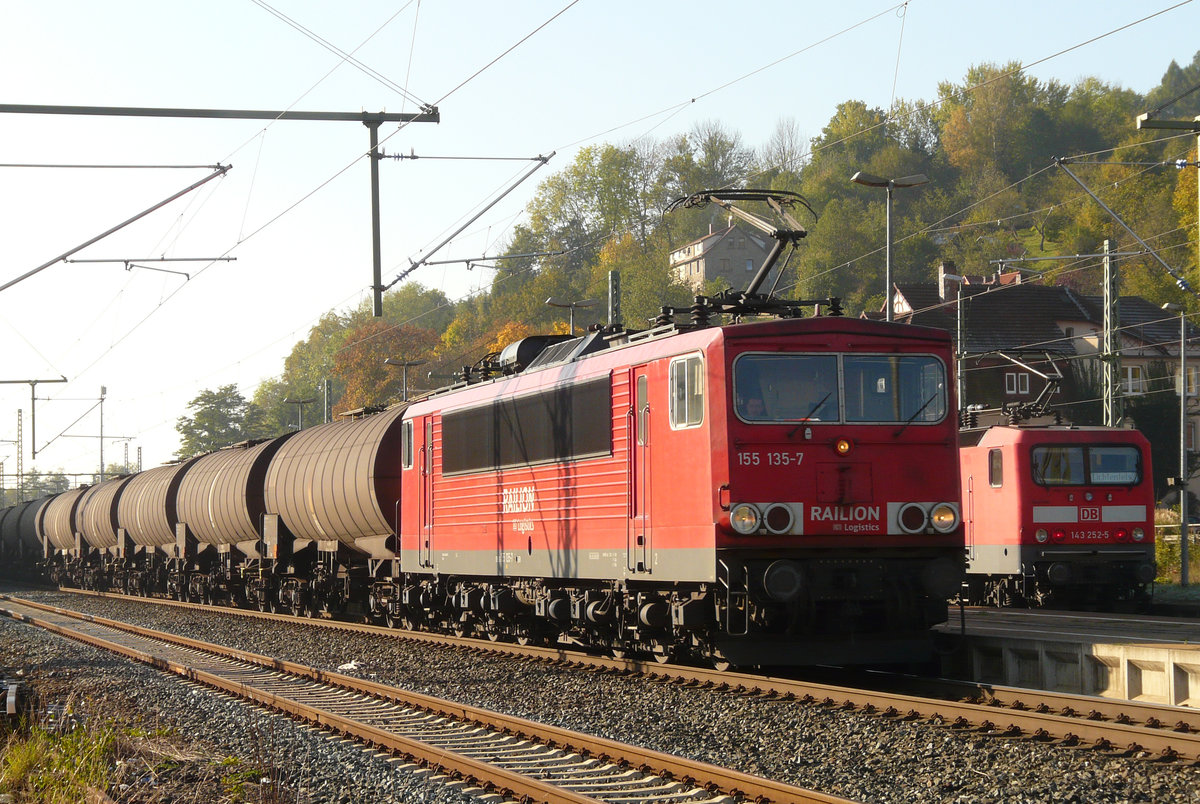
(1137, 728)
(713, 778)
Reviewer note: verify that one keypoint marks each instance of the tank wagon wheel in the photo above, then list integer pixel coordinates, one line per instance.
(661, 653)
(719, 662)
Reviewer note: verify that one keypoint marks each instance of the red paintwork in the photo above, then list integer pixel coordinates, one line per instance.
(692, 474)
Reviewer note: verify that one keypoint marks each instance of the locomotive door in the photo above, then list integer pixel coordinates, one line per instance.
(638, 530)
(425, 537)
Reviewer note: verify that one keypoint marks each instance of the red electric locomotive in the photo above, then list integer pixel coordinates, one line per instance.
(777, 492)
(1061, 515)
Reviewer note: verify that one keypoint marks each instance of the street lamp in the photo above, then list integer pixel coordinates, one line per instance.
(868, 180)
(404, 364)
(300, 403)
(554, 301)
(1184, 532)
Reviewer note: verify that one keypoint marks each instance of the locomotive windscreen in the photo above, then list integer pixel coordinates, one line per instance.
(560, 424)
(845, 387)
(1077, 465)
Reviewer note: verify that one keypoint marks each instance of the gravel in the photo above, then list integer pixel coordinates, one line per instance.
(857, 757)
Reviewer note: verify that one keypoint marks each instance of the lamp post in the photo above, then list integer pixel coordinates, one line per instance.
(869, 180)
(300, 403)
(554, 301)
(1184, 532)
(404, 364)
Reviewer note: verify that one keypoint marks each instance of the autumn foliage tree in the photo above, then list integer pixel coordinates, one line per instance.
(359, 363)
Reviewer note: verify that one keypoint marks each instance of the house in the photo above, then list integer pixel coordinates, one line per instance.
(732, 254)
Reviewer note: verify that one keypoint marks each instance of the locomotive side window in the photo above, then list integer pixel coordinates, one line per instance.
(791, 387)
(567, 423)
(643, 409)
(995, 468)
(1112, 465)
(894, 388)
(406, 445)
(687, 392)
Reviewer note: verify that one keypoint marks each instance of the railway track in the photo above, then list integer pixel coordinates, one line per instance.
(1131, 728)
(516, 758)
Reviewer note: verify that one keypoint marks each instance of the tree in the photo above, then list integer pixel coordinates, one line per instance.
(36, 484)
(359, 364)
(217, 421)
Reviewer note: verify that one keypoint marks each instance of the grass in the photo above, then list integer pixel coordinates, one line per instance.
(60, 759)
(1167, 554)
(43, 764)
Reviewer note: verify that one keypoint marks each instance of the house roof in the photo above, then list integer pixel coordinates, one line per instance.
(1025, 317)
(1142, 320)
(713, 238)
(1012, 318)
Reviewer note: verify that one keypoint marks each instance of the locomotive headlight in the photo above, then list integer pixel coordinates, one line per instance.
(1138, 534)
(1042, 536)
(778, 518)
(1122, 535)
(943, 517)
(842, 446)
(1059, 535)
(744, 518)
(912, 518)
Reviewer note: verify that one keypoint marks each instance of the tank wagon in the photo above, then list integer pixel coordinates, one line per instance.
(1058, 515)
(21, 549)
(719, 491)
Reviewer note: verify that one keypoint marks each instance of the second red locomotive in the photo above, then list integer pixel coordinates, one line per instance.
(1058, 515)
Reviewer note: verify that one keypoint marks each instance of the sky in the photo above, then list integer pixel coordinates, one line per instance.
(512, 81)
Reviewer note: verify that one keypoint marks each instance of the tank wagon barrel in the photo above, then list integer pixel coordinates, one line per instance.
(221, 504)
(339, 483)
(96, 515)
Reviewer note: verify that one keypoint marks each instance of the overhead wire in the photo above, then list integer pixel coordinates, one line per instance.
(243, 238)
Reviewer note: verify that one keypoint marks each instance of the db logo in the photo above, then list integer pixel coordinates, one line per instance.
(1089, 514)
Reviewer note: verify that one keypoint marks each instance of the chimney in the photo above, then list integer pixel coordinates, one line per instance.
(949, 283)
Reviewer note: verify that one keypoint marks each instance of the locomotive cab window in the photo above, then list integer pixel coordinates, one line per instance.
(687, 392)
(786, 387)
(1077, 465)
(894, 388)
(1114, 465)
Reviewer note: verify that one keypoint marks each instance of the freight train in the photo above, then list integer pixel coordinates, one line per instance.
(1058, 515)
(766, 488)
